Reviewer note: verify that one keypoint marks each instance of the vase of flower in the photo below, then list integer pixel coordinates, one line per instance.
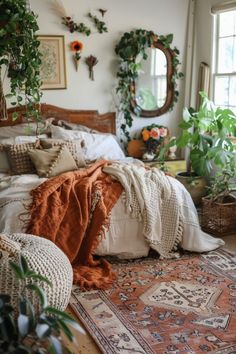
(154, 137)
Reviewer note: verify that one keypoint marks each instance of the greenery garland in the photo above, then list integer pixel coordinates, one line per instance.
(19, 53)
(131, 45)
(81, 27)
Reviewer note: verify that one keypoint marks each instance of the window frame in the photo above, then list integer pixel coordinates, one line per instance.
(215, 73)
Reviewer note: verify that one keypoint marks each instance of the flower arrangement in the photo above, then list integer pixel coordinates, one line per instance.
(76, 47)
(91, 61)
(154, 137)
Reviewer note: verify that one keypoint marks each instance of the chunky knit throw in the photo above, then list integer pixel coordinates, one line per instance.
(150, 196)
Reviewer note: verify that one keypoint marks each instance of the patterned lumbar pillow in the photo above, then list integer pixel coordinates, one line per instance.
(52, 162)
(74, 149)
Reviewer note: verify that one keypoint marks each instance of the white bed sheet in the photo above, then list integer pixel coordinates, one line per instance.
(124, 237)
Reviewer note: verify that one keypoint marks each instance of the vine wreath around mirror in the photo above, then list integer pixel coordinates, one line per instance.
(132, 50)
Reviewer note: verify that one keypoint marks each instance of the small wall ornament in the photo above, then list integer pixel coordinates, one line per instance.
(76, 47)
(91, 61)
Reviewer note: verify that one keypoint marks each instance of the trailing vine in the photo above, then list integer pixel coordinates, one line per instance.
(20, 55)
(76, 27)
(81, 27)
(132, 49)
(100, 25)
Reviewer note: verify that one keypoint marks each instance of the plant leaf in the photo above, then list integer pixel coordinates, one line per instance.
(43, 330)
(18, 271)
(23, 324)
(41, 294)
(23, 264)
(56, 344)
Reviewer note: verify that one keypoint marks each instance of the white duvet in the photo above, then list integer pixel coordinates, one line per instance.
(124, 237)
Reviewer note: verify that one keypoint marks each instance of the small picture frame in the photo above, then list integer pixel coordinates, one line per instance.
(53, 69)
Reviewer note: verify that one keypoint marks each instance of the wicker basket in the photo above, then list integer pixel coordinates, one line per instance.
(217, 218)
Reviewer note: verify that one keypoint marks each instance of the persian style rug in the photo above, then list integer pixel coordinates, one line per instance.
(187, 305)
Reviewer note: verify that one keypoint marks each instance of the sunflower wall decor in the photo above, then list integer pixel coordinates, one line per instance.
(76, 47)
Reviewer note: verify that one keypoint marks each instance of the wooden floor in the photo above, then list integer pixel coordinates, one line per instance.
(84, 343)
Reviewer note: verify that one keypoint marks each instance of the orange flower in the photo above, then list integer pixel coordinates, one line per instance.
(76, 46)
(145, 134)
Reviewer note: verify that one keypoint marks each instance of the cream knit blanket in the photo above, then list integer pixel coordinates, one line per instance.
(150, 197)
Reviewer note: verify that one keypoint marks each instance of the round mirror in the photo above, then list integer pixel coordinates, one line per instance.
(153, 90)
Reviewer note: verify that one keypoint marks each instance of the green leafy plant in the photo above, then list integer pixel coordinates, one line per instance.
(76, 27)
(20, 56)
(100, 25)
(206, 133)
(223, 183)
(132, 45)
(25, 331)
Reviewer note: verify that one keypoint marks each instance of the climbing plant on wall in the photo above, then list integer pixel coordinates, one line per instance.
(131, 49)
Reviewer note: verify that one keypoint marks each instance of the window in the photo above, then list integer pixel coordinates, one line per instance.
(225, 61)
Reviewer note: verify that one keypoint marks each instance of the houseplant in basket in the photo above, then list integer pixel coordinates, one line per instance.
(219, 206)
(206, 135)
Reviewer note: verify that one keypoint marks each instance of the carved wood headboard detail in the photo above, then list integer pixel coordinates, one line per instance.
(105, 123)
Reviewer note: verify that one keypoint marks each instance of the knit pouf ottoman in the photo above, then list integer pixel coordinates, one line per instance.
(44, 258)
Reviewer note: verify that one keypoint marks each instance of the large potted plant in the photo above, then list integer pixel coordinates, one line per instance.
(206, 136)
(19, 57)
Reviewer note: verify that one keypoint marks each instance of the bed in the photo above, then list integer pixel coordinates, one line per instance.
(127, 234)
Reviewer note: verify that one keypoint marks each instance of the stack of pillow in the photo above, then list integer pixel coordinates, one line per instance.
(68, 148)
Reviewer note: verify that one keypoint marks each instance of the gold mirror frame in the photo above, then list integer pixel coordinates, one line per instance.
(169, 54)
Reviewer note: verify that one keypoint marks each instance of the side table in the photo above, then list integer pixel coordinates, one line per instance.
(173, 166)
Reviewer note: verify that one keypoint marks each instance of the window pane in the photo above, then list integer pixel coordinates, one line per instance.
(221, 91)
(227, 23)
(233, 108)
(225, 55)
(232, 91)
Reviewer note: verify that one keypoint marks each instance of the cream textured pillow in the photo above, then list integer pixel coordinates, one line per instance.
(19, 159)
(52, 162)
(4, 163)
(74, 149)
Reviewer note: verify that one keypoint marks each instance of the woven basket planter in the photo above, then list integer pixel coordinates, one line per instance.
(218, 218)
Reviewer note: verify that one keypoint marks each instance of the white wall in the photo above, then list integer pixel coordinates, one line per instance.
(161, 16)
(204, 39)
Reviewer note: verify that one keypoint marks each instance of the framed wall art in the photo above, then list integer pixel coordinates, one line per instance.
(53, 69)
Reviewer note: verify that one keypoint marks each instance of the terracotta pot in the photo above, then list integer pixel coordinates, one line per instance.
(195, 185)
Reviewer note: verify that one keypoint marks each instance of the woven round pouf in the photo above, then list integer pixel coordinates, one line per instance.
(44, 258)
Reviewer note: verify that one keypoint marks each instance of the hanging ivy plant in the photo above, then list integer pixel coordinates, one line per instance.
(20, 55)
(132, 49)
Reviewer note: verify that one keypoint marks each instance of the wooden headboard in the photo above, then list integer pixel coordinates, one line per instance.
(105, 123)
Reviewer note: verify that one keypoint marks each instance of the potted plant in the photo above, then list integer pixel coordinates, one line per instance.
(20, 57)
(206, 135)
(24, 330)
(219, 205)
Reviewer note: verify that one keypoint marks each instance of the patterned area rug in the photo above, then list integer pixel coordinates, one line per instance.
(165, 306)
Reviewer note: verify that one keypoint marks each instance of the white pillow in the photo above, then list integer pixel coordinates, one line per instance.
(29, 138)
(96, 146)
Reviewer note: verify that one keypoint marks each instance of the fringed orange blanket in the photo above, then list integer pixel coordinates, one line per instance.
(61, 211)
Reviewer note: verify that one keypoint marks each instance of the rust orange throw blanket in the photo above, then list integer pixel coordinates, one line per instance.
(61, 211)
